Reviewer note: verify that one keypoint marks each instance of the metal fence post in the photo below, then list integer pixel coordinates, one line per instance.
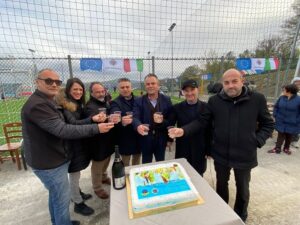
(277, 79)
(297, 72)
(221, 68)
(70, 66)
(153, 64)
(292, 52)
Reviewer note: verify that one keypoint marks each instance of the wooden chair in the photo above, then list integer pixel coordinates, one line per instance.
(13, 137)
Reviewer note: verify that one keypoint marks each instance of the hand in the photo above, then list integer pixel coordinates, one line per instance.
(158, 117)
(142, 129)
(126, 120)
(98, 118)
(175, 132)
(114, 118)
(101, 117)
(105, 127)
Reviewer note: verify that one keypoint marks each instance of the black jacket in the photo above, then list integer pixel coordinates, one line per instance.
(194, 147)
(100, 146)
(127, 138)
(73, 113)
(44, 132)
(240, 125)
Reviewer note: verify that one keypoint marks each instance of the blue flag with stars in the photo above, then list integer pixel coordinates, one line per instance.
(243, 63)
(91, 64)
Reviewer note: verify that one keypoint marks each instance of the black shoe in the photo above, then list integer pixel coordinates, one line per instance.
(83, 209)
(75, 222)
(85, 196)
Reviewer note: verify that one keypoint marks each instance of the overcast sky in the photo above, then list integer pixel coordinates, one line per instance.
(132, 28)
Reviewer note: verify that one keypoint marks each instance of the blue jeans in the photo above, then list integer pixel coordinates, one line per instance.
(56, 182)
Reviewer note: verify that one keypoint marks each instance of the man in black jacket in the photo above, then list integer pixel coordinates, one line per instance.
(127, 137)
(194, 147)
(101, 146)
(44, 130)
(241, 123)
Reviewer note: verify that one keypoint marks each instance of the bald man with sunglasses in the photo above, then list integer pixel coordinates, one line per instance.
(44, 131)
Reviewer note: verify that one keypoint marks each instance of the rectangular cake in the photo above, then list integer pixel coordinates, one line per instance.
(157, 186)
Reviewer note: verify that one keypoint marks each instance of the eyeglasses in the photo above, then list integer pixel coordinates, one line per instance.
(49, 81)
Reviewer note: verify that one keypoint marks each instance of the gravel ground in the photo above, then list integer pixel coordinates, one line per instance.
(275, 193)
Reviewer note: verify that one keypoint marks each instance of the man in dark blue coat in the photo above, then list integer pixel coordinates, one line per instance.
(241, 123)
(151, 112)
(127, 137)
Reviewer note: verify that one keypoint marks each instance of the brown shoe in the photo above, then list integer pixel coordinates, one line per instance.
(102, 194)
(106, 181)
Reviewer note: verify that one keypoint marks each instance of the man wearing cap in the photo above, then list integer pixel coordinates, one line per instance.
(194, 147)
(241, 123)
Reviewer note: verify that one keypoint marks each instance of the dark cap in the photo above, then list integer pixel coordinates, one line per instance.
(189, 83)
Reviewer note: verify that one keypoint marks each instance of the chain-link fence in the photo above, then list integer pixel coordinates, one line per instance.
(17, 77)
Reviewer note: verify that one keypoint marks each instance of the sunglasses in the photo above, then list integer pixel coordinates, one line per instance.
(49, 81)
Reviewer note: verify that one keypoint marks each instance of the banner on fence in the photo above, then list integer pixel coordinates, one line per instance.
(256, 65)
(126, 65)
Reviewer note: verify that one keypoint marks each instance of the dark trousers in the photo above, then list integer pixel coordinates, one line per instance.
(242, 180)
(295, 137)
(283, 137)
(153, 145)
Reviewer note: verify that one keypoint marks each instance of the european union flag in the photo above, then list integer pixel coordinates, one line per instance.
(91, 64)
(243, 63)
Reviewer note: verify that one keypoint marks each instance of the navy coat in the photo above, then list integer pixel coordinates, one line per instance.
(287, 114)
(142, 115)
(127, 137)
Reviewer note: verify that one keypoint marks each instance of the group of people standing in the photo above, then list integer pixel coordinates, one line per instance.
(63, 133)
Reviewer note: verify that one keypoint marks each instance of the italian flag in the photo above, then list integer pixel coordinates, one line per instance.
(271, 64)
(132, 65)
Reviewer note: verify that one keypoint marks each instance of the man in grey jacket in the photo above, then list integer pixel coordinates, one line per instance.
(44, 130)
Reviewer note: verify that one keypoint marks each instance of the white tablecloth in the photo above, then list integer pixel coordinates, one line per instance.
(212, 212)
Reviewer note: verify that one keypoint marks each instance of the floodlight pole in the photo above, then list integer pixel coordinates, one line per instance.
(172, 55)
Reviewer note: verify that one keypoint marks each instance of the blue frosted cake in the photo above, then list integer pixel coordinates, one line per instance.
(153, 187)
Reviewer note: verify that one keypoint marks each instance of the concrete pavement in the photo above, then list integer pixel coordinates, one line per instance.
(275, 193)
